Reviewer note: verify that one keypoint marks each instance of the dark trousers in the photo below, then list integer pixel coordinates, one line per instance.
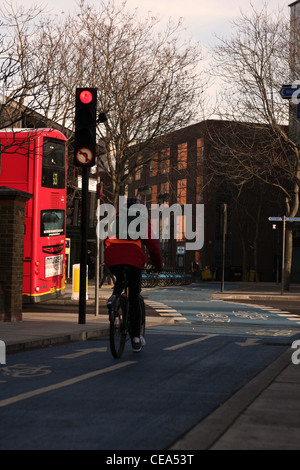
(134, 277)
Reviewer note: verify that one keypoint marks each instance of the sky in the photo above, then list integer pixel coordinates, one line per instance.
(203, 18)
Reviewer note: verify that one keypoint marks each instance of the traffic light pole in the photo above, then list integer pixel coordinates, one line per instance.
(283, 256)
(83, 241)
(84, 157)
(97, 277)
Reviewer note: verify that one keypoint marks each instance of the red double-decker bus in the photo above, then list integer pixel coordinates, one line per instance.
(34, 160)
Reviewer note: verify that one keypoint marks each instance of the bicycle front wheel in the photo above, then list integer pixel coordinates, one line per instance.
(118, 330)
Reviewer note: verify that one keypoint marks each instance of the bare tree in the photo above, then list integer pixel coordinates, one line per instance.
(20, 68)
(147, 81)
(254, 63)
(146, 74)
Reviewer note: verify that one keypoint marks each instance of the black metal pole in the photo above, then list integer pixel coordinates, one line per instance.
(83, 242)
(224, 230)
(283, 255)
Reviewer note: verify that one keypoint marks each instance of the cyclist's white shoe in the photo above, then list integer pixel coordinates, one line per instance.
(138, 343)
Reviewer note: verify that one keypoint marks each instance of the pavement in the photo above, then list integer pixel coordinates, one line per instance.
(263, 415)
(42, 329)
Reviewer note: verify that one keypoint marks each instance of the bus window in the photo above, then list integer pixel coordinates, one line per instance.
(53, 171)
(52, 222)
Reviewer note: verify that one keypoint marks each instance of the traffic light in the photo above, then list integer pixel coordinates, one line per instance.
(85, 127)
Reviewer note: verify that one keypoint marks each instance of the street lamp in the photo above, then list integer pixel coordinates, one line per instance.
(102, 118)
(162, 198)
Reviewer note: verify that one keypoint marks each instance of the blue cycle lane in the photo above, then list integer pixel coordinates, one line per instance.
(77, 396)
(192, 310)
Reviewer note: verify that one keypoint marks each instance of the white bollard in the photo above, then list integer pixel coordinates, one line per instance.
(76, 282)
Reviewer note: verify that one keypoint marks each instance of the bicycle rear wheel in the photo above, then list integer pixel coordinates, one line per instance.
(118, 329)
(143, 316)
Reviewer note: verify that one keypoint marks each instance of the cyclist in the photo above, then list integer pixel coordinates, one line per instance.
(120, 252)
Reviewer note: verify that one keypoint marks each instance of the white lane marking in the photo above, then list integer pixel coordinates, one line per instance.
(249, 342)
(65, 383)
(167, 314)
(166, 310)
(188, 343)
(285, 311)
(82, 352)
(163, 310)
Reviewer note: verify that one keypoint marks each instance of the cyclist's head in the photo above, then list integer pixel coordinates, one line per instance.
(133, 200)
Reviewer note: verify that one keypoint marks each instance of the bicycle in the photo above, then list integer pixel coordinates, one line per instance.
(119, 318)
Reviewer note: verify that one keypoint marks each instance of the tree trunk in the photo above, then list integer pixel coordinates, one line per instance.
(255, 241)
(288, 258)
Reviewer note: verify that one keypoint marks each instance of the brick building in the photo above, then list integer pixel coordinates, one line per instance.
(175, 170)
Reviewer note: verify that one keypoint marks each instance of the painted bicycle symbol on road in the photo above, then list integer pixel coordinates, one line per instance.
(250, 315)
(213, 317)
(23, 370)
(270, 332)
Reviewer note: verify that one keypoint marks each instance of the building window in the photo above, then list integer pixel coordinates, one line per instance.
(181, 191)
(200, 149)
(153, 166)
(182, 156)
(199, 195)
(138, 170)
(180, 228)
(164, 188)
(150, 166)
(154, 194)
(165, 161)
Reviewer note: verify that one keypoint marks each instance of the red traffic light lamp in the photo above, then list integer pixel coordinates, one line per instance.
(85, 96)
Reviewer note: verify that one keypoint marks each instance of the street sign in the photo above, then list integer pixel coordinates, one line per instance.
(287, 93)
(287, 219)
(84, 156)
